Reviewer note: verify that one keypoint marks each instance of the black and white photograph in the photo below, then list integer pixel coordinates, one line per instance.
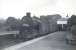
(37, 24)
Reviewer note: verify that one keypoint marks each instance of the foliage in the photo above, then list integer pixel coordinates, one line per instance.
(72, 23)
(12, 23)
(72, 20)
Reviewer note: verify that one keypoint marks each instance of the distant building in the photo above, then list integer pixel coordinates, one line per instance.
(44, 24)
(49, 23)
(52, 22)
(62, 23)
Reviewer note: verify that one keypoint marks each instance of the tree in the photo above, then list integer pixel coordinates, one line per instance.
(72, 20)
(2, 24)
(12, 23)
(72, 23)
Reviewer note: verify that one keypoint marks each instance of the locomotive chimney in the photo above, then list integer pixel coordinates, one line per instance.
(28, 14)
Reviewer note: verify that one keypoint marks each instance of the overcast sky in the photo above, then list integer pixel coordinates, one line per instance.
(18, 8)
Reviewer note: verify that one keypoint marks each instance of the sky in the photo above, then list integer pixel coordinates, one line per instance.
(18, 8)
